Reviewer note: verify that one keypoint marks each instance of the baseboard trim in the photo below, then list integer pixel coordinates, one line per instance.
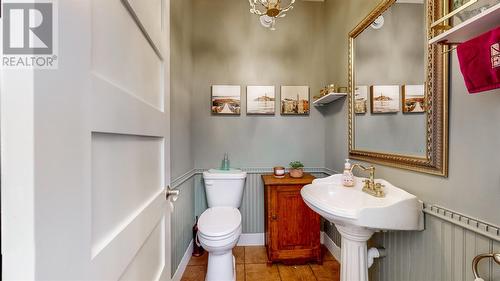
(184, 262)
(331, 246)
(251, 239)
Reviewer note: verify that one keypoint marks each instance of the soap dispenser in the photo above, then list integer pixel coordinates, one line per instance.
(225, 162)
(347, 176)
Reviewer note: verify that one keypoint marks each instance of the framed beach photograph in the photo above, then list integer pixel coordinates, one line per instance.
(261, 100)
(294, 100)
(361, 99)
(226, 100)
(413, 98)
(385, 99)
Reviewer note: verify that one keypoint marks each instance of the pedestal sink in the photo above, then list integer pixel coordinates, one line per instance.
(357, 215)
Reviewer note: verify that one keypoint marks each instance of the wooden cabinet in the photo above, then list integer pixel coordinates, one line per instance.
(292, 228)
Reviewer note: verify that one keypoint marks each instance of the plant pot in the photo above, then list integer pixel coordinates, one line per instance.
(296, 173)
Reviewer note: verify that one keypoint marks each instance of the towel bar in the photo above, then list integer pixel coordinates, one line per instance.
(478, 258)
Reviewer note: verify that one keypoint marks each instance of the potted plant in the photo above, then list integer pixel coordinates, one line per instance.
(296, 169)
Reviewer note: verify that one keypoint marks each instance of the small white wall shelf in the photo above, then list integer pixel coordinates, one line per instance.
(470, 28)
(328, 98)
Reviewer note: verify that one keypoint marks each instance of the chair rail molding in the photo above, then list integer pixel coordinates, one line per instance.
(177, 182)
(481, 227)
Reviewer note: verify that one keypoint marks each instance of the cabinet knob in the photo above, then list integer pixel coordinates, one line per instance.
(274, 217)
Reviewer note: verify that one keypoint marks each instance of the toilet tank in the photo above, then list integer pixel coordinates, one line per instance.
(224, 188)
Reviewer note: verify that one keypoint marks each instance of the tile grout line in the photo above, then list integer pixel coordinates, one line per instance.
(310, 267)
(314, 273)
(279, 273)
(244, 265)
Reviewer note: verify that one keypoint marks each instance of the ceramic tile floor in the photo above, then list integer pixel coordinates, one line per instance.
(251, 266)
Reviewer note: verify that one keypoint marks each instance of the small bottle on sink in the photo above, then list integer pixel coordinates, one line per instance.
(347, 176)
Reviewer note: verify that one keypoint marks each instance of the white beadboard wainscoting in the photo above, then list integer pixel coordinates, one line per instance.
(442, 252)
(182, 221)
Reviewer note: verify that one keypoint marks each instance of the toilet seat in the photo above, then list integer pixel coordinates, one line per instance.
(219, 223)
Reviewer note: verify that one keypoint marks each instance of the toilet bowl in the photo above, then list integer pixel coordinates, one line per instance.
(219, 227)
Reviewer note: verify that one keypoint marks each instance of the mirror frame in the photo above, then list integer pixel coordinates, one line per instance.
(436, 92)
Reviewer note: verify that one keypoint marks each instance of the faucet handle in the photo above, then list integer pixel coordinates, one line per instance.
(367, 183)
(379, 192)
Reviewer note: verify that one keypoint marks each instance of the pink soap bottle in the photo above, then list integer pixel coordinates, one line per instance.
(347, 176)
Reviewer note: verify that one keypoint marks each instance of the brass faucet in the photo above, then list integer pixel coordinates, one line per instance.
(370, 187)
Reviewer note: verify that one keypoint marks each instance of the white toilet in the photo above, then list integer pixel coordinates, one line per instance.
(219, 227)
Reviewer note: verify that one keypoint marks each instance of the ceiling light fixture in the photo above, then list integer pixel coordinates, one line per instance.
(269, 10)
(378, 22)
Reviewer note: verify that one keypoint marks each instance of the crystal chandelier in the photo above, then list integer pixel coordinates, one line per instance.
(269, 10)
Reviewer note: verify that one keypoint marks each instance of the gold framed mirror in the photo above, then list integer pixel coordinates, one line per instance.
(398, 88)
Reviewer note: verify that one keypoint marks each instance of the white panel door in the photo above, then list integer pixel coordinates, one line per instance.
(86, 149)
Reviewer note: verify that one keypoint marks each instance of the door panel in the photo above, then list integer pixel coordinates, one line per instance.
(291, 220)
(122, 247)
(293, 217)
(126, 176)
(122, 54)
(113, 110)
(149, 14)
(142, 267)
(129, 141)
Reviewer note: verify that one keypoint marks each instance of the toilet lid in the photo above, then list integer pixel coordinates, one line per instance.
(218, 221)
(214, 174)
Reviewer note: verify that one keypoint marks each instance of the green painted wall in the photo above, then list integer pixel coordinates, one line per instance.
(181, 68)
(231, 47)
(182, 218)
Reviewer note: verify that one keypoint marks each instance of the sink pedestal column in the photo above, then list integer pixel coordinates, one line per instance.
(354, 259)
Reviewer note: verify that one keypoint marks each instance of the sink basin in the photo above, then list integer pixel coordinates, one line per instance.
(398, 210)
(357, 215)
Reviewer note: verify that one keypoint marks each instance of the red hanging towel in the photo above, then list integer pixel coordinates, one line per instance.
(480, 61)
